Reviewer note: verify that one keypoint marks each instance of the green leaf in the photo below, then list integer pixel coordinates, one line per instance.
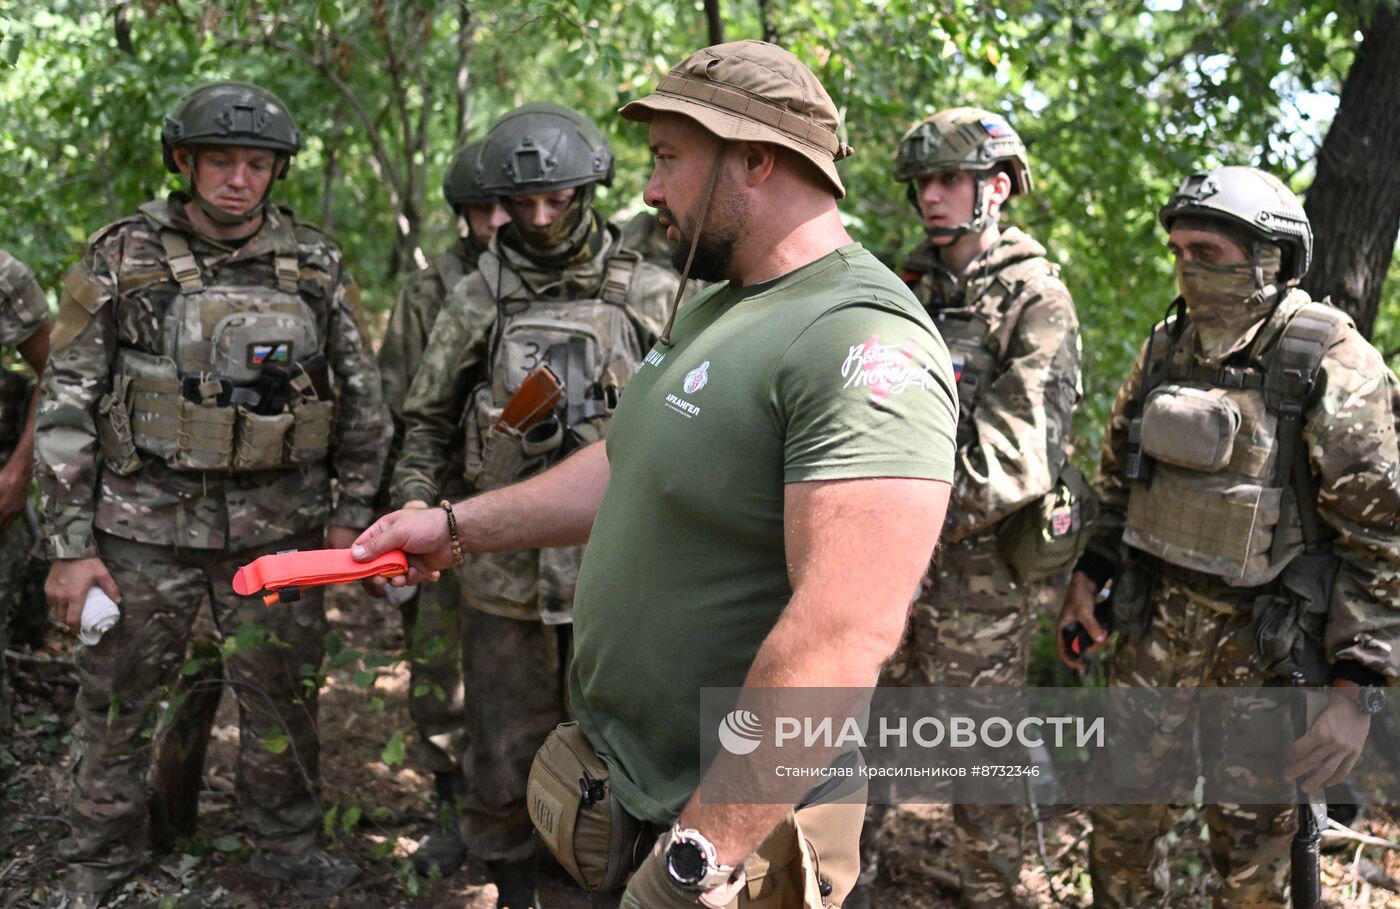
(229, 843)
(394, 751)
(276, 742)
(351, 818)
(328, 821)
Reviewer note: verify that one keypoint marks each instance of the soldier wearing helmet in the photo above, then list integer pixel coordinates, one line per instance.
(771, 488)
(1012, 331)
(555, 287)
(1249, 521)
(207, 381)
(430, 617)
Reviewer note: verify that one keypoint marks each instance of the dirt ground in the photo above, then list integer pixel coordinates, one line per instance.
(377, 808)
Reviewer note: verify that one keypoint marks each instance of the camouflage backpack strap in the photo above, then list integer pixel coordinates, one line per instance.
(183, 265)
(284, 251)
(1290, 381)
(618, 275)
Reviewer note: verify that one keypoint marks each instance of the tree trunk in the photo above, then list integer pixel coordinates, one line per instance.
(765, 22)
(1354, 201)
(714, 21)
(180, 750)
(466, 43)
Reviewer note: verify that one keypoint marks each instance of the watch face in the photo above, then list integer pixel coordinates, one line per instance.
(1372, 700)
(685, 863)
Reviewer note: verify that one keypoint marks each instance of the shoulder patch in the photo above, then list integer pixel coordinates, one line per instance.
(80, 301)
(102, 232)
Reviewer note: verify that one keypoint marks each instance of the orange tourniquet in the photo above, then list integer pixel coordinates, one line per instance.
(312, 568)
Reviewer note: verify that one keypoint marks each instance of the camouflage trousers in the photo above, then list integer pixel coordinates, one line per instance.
(123, 677)
(516, 673)
(970, 626)
(15, 543)
(432, 631)
(1192, 642)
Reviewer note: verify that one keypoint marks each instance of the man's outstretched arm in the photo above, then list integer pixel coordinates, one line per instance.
(554, 508)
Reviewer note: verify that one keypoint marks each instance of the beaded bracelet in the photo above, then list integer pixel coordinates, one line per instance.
(457, 557)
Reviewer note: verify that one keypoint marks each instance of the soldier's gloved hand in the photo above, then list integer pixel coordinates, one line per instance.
(68, 584)
(419, 532)
(1332, 744)
(377, 584)
(1079, 607)
(650, 887)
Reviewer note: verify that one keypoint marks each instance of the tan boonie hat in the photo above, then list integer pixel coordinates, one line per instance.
(752, 91)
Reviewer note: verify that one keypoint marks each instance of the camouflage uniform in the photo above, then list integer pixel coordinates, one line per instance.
(23, 311)
(430, 622)
(171, 537)
(971, 624)
(1199, 629)
(516, 633)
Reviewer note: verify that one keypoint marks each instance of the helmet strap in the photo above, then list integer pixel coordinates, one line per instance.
(665, 339)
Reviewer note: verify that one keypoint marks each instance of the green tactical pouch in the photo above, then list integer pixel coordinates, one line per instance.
(309, 440)
(259, 440)
(508, 456)
(1289, 621)
(204, 440)
(572, 806)
(114, 430)
(1047, 536)
(1130, 599)
(1190, 427)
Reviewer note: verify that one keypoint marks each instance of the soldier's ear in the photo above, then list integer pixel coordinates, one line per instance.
(184, 160)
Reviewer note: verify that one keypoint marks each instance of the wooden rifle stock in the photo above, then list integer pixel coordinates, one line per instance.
(532, 402)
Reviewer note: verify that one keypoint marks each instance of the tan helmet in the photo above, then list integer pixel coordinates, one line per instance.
(962, 138)
(752, 91)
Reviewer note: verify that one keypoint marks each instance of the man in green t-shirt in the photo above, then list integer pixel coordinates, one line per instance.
(771, 487)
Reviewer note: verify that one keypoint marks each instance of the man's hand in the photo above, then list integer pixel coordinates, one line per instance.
(420, 532)
(68, 584)
(1332, 745)
(375, 585)
(14, 491)
(1079, 607)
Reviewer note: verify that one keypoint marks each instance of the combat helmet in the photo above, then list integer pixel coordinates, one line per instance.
(543, 148)
(230, 113)
(461, 183)
(962, 138)
(1254, 200)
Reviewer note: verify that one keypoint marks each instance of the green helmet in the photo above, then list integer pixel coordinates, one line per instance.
(543, 148)
(230, 113)
(1250, 198)
(962, 138)
(461, 184)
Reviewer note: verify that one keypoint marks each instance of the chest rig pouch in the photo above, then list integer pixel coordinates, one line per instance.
(1224, 447)
(240, 385)
(593, 346)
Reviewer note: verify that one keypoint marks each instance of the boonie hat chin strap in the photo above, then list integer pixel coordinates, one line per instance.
(665, 339)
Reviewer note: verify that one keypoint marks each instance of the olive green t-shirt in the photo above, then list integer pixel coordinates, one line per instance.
(832, 371)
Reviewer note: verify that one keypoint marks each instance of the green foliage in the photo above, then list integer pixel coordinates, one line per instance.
(395, 749)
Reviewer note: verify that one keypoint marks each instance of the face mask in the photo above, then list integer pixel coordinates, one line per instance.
(1227, 303)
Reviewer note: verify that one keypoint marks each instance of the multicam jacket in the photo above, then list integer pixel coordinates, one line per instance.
(114, 304)
(1350, 433)
(1012, 332)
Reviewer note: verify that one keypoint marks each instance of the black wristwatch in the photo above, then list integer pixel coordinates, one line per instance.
(692, 861)
(1370, 700)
